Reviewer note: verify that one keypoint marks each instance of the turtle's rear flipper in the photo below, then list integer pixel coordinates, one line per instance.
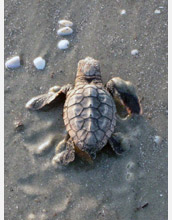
(119, 143)
(65, 152)
(126, 91)
(41, 101)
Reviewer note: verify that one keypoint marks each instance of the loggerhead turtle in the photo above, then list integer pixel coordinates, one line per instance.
(89, 111)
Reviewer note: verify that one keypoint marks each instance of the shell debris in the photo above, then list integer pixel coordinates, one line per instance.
(134, 52)
(13, 63)
(39, 63)
(63, 44)
(123, 12)
(157, 11)
(65, 23)
(65, 31)
(157, 140)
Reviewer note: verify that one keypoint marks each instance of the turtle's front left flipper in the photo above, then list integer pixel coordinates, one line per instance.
(46, 99)
(126, 91)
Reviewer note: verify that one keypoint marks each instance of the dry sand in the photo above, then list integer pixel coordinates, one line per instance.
(132, 186)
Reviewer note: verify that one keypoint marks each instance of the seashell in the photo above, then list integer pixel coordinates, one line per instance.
(123, 12)
(65, 23)
(63, 44)
(134, 52)
(157, 11)
(39, 63)
(157, 140)
(13, 63)
(65, 31)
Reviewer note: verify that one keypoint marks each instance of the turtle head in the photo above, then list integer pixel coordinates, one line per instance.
(88, 68)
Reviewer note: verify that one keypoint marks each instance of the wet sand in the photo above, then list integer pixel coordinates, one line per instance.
(128, 187)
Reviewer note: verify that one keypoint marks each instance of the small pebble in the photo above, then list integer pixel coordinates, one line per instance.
(65, 23)
(39, 63)
(65, 31)
(123, 12)
(157, 11)
(157, 140)
(13, 63)
(63, 44)
(134, 52)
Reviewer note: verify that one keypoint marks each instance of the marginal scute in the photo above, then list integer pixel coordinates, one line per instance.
(72, 133)
(105, 140)
(79, 91)
(109, 133)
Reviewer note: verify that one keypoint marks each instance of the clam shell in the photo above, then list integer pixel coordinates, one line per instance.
(123, 12)
(13, 63)
(39, 63)
(63, 44)
(65, 23)
(65, 31)
(134, 52)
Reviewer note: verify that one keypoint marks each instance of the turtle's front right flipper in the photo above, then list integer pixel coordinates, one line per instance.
(41, 101)
(126, 91)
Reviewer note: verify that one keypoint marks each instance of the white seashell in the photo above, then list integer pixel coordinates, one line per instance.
(157, 11)
(65, 23)
(63, 44)
(13, 63)
(134, 52)
(39, 63)
(157, 139)
(123, 12)
(65, 31)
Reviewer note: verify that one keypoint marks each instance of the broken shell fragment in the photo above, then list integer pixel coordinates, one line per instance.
(63, 44)
(123, 12)
(134, 52)
(13, 63)
(157, 11)
(157, 140)
(65, 31)
(39, 63)
(65, 23)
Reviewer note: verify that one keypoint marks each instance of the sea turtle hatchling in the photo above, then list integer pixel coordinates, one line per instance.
(89, 111)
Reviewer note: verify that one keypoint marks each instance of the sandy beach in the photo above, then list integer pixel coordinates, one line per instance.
(132, 186)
